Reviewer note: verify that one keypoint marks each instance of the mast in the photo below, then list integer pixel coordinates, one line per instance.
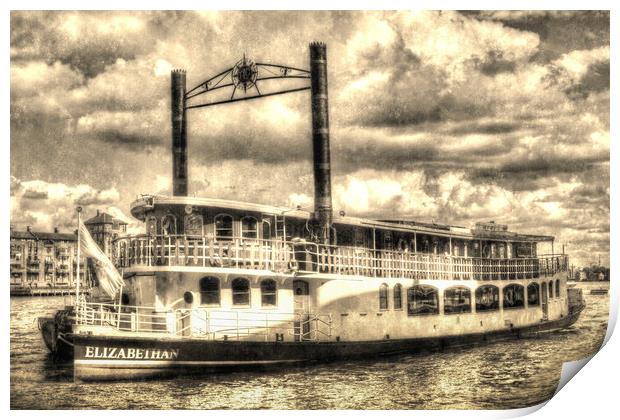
(79, 245)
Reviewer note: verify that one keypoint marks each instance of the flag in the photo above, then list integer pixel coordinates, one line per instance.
(110, 280)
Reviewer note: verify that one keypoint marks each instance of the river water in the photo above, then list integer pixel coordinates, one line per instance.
(512, 374)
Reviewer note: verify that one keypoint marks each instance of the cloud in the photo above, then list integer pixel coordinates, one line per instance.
(45, 205)
(452, 116)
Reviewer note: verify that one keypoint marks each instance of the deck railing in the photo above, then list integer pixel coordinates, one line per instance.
(302, 256)
(209, 325)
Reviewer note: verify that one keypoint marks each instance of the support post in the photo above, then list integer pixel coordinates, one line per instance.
(320, 141)
(179, 133)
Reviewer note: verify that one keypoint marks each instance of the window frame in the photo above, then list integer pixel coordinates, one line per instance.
(459, 289)
(264, 294)
(203, 292)
(496, 301)
(538, 295)
(221, 238)
(244, 231)
(512, 286)
(235, 294)
(428, 291)
(384, 297)
(174, 224)
(398, 287)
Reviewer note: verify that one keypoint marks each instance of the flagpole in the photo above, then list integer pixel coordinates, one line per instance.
(79, 245)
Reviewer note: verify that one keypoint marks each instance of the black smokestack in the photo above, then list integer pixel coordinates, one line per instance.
(320, 140)
(179, 134)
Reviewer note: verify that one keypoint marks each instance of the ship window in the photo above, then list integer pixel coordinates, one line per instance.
(422, 300)
(169, 225)
(223, 227)
(551, 289)
(487, 298)
(533, 294)
(268, 292)
(383, 297)
(241, 291)
(209, 291)
(266, 230)
(513, 296)
(193, 224)
(398, 300)
(151, 225)
(125, 299)
(249, 227)
(557, 288)
(457, 300)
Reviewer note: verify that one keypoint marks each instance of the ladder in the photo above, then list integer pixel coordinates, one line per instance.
(281, 227)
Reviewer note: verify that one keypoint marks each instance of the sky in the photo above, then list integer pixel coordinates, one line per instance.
(452, 117)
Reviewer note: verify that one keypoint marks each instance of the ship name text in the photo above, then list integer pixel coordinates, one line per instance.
(95, 352)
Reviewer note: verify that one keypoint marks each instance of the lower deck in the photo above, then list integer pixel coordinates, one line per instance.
(221, 304)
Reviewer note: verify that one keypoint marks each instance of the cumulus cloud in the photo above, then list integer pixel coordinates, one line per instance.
(452, 116)
(45, 205)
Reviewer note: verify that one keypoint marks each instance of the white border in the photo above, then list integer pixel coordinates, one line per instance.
(591, 395)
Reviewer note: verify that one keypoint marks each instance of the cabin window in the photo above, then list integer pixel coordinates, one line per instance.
(268, 292)
(241, 291)
(457, 300)
(487, 298)
(169, 225)
(249, 228)
(387, 240)
(266, 229)
(533, 294)
(551, 289)
(422, 300)
(383, 297)
(360, 237)
(223, 227)
(513, 296)
(125, 299)
(398, 299)
(193, 224)
(557, 288)
(151, 225)
(209, 291)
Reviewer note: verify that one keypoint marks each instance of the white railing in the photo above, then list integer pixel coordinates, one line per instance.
(280, 256)
(209, 325)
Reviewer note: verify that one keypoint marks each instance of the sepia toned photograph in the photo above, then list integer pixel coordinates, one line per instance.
(301, 210)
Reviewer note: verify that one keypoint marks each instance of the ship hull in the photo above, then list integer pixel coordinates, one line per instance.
(130, 358)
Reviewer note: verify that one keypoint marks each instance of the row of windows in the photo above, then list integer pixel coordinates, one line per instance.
(422, 299)
(223, 226)
(241, 292)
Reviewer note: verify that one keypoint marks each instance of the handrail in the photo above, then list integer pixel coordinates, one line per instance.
(278, 255)
(200, 323)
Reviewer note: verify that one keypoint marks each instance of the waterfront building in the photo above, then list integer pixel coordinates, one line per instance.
(104, 229)
(43, 262)
(46, 262)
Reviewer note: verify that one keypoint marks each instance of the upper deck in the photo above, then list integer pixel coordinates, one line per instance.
(201, 232)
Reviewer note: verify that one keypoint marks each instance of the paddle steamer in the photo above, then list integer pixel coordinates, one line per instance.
(215, 284)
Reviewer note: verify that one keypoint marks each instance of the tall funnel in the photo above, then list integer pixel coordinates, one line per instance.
(179, 134)
(320, 140)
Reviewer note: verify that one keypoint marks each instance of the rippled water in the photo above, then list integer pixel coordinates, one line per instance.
(511, 374)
